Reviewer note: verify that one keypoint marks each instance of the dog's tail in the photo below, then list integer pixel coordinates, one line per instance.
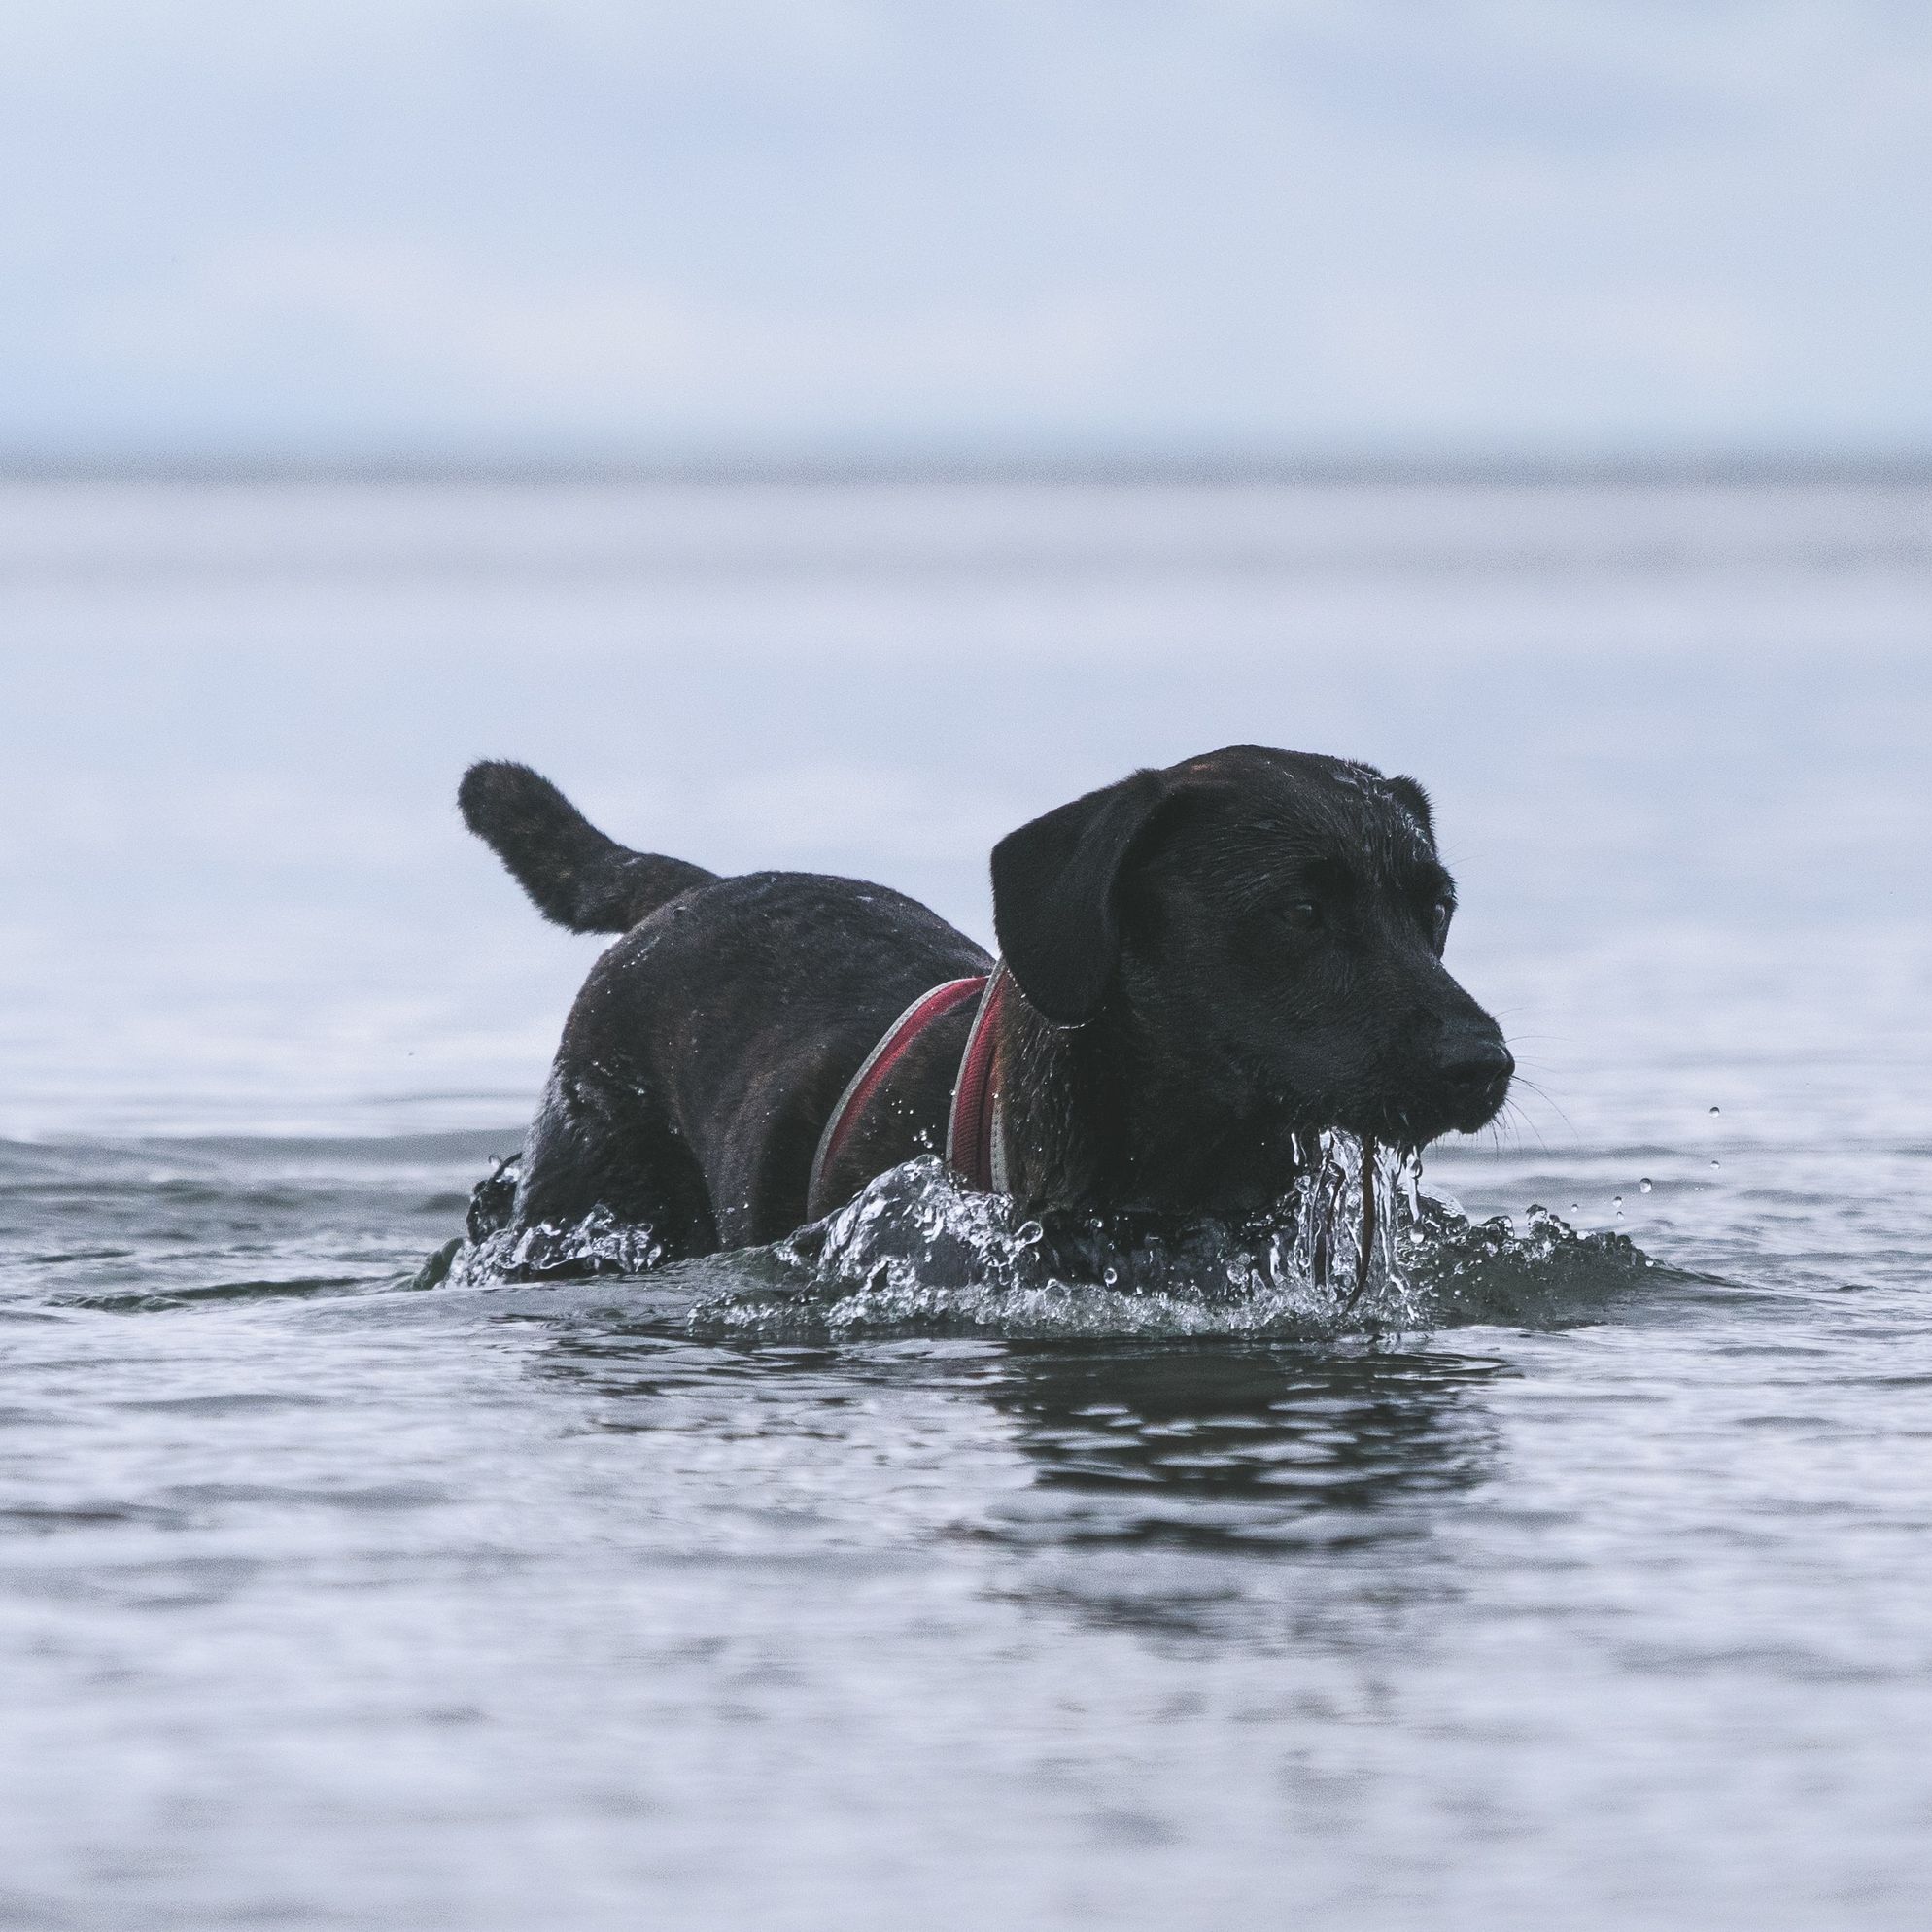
(574, 875)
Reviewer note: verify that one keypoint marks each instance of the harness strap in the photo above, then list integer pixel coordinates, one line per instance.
(975, 1128)
(871, 1076)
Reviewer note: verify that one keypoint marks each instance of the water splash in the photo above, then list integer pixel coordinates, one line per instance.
(1537, 1272)
(1358, 1251)
(916, 1252)
(599, 1244)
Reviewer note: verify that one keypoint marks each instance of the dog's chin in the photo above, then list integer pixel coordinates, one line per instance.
(1468, 1116)
(1413, 1126)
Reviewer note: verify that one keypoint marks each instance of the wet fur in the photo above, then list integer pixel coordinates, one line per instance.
(1182, 1025)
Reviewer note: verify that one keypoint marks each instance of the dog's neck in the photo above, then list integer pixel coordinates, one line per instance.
(1097, 1116)
(1063, 1141)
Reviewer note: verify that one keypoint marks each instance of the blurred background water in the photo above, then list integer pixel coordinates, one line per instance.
(331, 1603)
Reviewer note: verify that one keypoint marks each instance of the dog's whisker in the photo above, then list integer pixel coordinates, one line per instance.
(1551, 1104)
(1518, 1114)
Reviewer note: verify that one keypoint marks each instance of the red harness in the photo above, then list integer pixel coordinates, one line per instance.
(974, 1143)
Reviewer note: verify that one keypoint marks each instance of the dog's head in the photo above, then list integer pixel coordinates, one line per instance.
(1263, 932)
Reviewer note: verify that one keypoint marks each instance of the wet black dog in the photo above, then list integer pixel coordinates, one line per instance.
(1214, 961)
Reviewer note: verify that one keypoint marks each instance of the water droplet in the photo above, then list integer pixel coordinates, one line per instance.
(1112, 1277)
(1028, 1234)
(1644, 1185)
(1575, 1209)
(1716, 1163)
(1617, 1202)
(1714, 1110)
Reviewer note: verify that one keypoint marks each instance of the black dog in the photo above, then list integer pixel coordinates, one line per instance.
(1202, 966)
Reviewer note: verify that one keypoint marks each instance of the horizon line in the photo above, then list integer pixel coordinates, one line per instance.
(1203, 465)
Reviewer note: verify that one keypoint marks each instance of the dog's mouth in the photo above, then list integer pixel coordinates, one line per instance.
(1472, 1102)
(1460, 1091)
(1469, 1112)
(1410, 1118)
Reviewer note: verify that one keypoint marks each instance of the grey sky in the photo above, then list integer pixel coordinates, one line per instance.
(679, 226)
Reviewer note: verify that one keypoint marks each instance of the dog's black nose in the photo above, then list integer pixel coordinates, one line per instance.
(1474, 1060)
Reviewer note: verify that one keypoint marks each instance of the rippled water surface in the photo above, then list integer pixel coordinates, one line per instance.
(1593, 1594)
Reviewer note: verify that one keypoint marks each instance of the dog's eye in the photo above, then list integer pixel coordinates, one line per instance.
(1304, 915)
(1441, 913)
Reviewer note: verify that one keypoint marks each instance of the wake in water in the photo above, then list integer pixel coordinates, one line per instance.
(1358, 1250)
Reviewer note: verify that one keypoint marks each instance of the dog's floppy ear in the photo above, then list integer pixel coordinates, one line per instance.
(1055, 892)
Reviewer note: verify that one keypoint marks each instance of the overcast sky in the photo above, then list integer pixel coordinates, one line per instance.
(732, 227)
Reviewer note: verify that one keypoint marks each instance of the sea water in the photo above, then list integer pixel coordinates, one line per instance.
(859, 1583)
